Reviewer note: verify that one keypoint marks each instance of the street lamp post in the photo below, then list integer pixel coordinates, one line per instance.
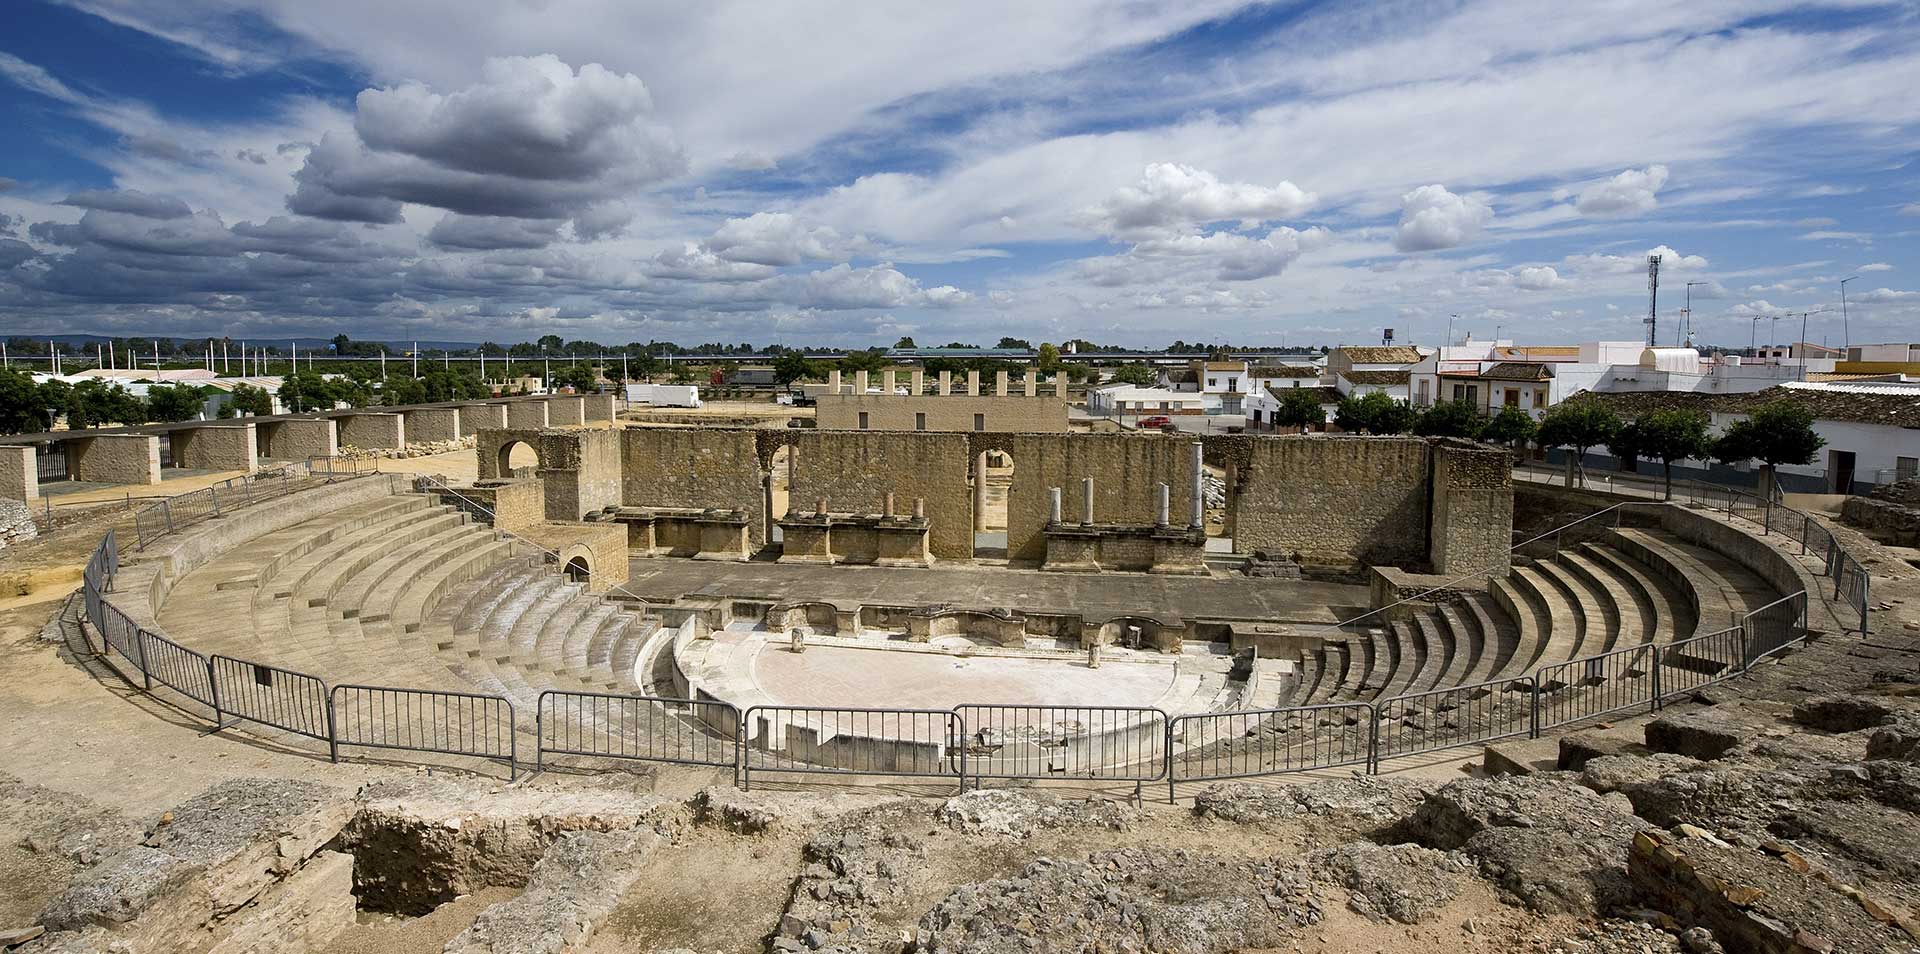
(1846, 336)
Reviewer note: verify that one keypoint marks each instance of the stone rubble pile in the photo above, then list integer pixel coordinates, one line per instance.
(16, 522)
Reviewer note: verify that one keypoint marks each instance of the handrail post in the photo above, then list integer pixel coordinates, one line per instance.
(1658, 651)
(213, 686)
(166, 510)
(140, 645)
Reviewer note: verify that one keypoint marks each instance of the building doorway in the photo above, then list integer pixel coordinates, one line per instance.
(1840, 472)
(992, 498)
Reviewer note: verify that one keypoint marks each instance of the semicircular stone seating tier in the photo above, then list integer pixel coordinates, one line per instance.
(398, 590)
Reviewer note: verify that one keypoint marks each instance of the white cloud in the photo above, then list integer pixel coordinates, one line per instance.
(778, 238)
(1630, 192)
(1170, 196)
(1432, 218)
(1875, 267)
(1538, 278)
(487, 233)
(1670, 261)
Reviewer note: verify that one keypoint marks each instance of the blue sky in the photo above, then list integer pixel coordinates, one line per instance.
(835, 173)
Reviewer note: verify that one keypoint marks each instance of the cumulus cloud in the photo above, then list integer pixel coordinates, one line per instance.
(533, 139)
(1215, 256)
(1432, 218)
(13, 252)
(1875, 267)
(1670, 261)
(1632, 191)
(694, 262)
(777, 238)
(129, 202)
(845, 287)
(487, 233)
(1170, 196)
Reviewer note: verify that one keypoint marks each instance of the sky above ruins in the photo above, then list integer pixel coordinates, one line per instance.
(820, 172)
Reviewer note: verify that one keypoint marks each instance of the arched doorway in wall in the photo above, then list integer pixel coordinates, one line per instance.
(578, 571)
(519, 459)
(992, 498)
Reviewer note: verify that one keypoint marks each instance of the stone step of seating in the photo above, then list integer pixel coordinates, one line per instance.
(1666, 611)
(1342, 659)
(1468, 644)
(323, 586)
(1624, 625)
(1593, 629)
(240, 565)
(1535, 607)
(369, 586)
(629, 641)
(1313, 669)
(1437, 636)
(573, 648)
(1406, 644)
(522, 644)
(339, 555)
(1499, 632)
(298, 542)
(412, 607)
(1722, 591)
(1364, 657)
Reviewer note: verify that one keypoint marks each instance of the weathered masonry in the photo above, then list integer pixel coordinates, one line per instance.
(1440, 505)
(1006, 408)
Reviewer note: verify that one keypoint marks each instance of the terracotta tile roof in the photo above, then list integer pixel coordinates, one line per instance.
(1283, 371)
(1377, 377)
(1517, 371)
(1325, 395)
(1226, 366)
(1894, 409)
(1538, 352)
(1390, 354)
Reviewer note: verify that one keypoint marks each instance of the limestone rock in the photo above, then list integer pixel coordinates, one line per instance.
(570, 893)
(1405, 883)
(1556, 845)
(1703, 734)
(1899, 739)
(1579, 748)
(1841, 713)
(1365, 798)
(1615, 772)
(1013, 814)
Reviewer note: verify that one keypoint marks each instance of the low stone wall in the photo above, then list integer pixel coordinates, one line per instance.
(565, 411)
(1883, 520)
(603, 547)
(597, 407)
(527, 415)
(215, 447)
(1079, 548)
(115, 458)
(477, 417)
(426, 424)
(375, 431)
(19, 471)
(298, 439)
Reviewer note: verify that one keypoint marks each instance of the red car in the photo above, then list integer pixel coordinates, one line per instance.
(1158, 420)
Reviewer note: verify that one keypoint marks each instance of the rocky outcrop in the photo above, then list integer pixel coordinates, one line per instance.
(1404, 883)
(568, 896)
(1009, 814)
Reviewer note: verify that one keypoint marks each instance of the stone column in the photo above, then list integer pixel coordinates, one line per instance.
(919, 508)
(1031, 383)
(919, 379)
(833, 381)
(859, 382)
(946, 383)
(1086, 500)
(999, 384)
(888, 512)
(1053, 510)
(1199, 488)
(888, 380)
(973, 383)
(1166, 506)
(1059, 385)
(19, 471)
(980, 492)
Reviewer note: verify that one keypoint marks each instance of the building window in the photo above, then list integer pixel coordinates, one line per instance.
(1539, 398)
(979, 422)
(1459, 392)
(1905, 467)
(1512, 397)
(920, 420)
(1213, 382)
(863, 420)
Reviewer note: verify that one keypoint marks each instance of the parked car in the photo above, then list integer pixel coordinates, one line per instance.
(1158, 420)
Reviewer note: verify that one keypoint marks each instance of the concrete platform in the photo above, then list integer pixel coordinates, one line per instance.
(837, 676)
(1095, 597)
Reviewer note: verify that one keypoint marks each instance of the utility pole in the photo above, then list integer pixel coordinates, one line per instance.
(1689, 310)
(416, 359)
(1653, 300)
(1846, 335)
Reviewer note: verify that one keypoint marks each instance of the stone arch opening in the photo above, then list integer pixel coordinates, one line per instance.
(992, 481)
(578, 570)
(519, 459)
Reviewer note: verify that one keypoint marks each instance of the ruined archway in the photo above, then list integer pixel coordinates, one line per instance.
(518, 459)
(578, 570)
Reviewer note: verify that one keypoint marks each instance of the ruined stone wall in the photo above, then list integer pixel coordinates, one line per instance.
(477, 417)
(527, 415)
(115, 458)
(855, 471)
(597, 407)
(580, 471)
(1124, 468)
(215, 447)
(1472, 525)
(298, 439)
(1334, 499)
(378, 431)
(19, 472)
(565, 411)
(694, 467)
(952, 412)
(433, 424)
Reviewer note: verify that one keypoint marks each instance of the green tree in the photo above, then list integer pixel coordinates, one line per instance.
(868, 361)
(1301, 409)
(174, 402)
(24, 404)
(94, 402)
(1451, 419)
(1138, 375)
(248, 399)
(1578, 425)
(398, 391)
(1778, 432)
(1374, 413)
(1512, 427)
(906, 341)
(305, 390)
(1672, 434)
(1628, 445)
(791, 366)
(550, 344)
(580, 377)
(1010, 342)
(1049, 359)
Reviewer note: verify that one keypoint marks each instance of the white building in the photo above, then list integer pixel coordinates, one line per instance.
(1261, 405)
(1122, 400)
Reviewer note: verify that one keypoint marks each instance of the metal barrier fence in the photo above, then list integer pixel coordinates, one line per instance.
(1439, 719)
(1685, 665)
(168, 514)
(176, 667)
(1216, 745)
(271, 696)
(424, 720)
(1601, 684)
(640, 728)
(1851, 585)
(1122, 743)
(919, 743)
(1685, 490)
(1774, 626)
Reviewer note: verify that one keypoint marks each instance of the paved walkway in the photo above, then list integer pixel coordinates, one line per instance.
(1094, 596)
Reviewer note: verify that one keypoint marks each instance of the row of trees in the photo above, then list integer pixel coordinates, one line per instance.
(27, 406)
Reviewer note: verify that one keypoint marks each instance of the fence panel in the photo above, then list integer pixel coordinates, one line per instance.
(1775, 626)
(1688, 664)
(1216, 745)
(1593, 686)
(275, 697)
(425, 720)
(1850, 586)
(1113, 742)
(925, 743)
(642, 728)
(176, 667)
(117, 633)
(1444, 718)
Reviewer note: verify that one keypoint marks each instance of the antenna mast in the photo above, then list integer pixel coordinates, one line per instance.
(1653, 298)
